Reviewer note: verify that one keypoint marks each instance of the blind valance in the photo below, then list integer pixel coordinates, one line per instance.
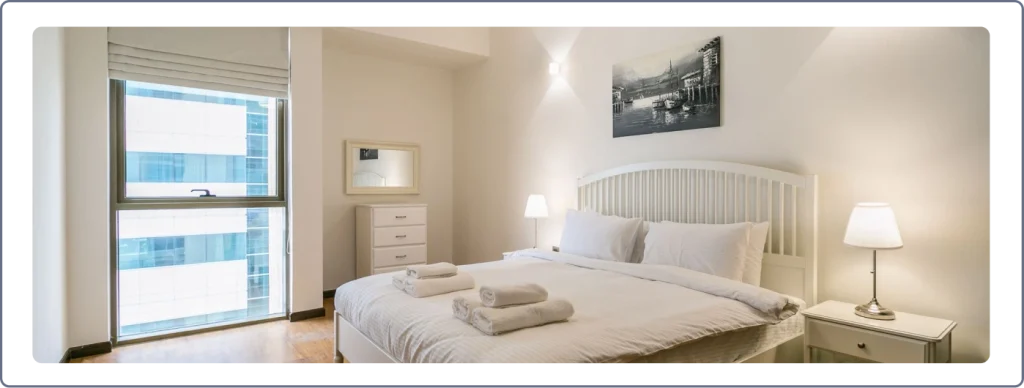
(250, 60)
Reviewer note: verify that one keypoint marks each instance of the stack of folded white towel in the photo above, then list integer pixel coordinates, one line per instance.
(511, 307)
(432, 279)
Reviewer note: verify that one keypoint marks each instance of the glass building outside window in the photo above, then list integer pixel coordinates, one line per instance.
(181, 267)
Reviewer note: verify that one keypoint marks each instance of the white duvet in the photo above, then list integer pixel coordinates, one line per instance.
(623, 311)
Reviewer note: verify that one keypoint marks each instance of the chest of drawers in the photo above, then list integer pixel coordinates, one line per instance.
(390, 237)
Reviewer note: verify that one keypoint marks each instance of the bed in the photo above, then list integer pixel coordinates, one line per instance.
(625, 312)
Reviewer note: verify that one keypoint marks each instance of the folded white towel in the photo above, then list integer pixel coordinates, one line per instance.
(495, 321)
(512, 294)
(433, 286)
(462, 308)
(399, 280)
(423, 271)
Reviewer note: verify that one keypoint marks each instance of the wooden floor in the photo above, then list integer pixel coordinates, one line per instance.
(311, 340)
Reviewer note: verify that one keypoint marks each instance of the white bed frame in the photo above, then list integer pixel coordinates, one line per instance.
(691, 192)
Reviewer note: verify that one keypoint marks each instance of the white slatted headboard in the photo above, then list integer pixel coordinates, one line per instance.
(717, 193)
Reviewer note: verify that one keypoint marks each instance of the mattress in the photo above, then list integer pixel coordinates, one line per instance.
(624, 312)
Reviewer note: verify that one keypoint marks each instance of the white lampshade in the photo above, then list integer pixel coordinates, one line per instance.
(536, 206)
(873, 225)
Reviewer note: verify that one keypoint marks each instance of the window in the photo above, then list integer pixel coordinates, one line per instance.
(184, 260)
(176, 139)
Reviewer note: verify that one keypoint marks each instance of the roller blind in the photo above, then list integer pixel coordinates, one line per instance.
(250, 60)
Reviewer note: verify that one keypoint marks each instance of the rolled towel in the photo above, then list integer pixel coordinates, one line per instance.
(494, 321)
(462, 308)
(436, 270)
(420, 288)
(399, 280)
(512, 294)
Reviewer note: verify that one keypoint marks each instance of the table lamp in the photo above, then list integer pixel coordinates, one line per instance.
(536, 207)
(873, 226)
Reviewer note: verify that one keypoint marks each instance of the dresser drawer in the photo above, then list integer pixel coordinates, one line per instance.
(404, 255)
(399, 235)
(866, 344)
(400, 216)
(378, 271)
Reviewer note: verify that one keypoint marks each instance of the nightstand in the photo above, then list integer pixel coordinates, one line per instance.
(833, 333)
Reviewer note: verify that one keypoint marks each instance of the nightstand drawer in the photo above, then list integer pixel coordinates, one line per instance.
(386, 257)
(866, 344)
(399, 235)
(400, 216)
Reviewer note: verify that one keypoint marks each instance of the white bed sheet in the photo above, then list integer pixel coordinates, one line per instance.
(733, 346)
(624, 312)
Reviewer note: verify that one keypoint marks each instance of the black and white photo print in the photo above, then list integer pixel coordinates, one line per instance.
(673, 90)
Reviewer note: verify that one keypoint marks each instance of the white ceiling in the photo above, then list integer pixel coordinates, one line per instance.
(397, 49)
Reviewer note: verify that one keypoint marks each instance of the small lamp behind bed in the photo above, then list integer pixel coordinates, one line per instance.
(536, 207)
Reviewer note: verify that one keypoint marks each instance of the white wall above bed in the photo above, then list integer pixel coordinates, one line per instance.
(879, 114)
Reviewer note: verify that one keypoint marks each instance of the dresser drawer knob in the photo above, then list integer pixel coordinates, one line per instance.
(400, 236)
(861, 345)
(399, 217)
(401, 256)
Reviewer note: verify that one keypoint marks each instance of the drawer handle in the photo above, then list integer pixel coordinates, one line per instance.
(400, 257)
(399, 216)
(400, 236)
(861, 345)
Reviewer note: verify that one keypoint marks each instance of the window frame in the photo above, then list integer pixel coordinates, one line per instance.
(119, 188)
(119, 202)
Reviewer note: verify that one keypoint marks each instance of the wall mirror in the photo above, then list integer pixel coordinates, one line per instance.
(381, 167)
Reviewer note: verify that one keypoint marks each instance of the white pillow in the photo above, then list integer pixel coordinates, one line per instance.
(756, 238)
(716, 249)
(598, 236)
(638, 248)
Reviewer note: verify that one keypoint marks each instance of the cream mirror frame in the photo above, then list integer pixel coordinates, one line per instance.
(404, 171)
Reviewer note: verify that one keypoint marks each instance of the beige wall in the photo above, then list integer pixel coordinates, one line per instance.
(305, 230)
(87, 190)
(49, 270)
(895, 115)
(367, 98)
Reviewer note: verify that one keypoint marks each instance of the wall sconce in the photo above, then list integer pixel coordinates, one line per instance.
(554, 68)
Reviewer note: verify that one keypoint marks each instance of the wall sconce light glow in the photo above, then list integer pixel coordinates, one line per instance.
(554, 68)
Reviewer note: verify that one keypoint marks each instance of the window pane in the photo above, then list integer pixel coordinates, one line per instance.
(256, 190)
(132, 166)
(195, 168)
(257, 146)
(256, 170)
(257, 122)
(180, 268)
(259, 264)
(178, 139)
(258, 218)
(259, 286)
(217, 168)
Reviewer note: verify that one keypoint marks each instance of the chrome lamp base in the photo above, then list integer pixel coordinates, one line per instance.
(874, 310)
